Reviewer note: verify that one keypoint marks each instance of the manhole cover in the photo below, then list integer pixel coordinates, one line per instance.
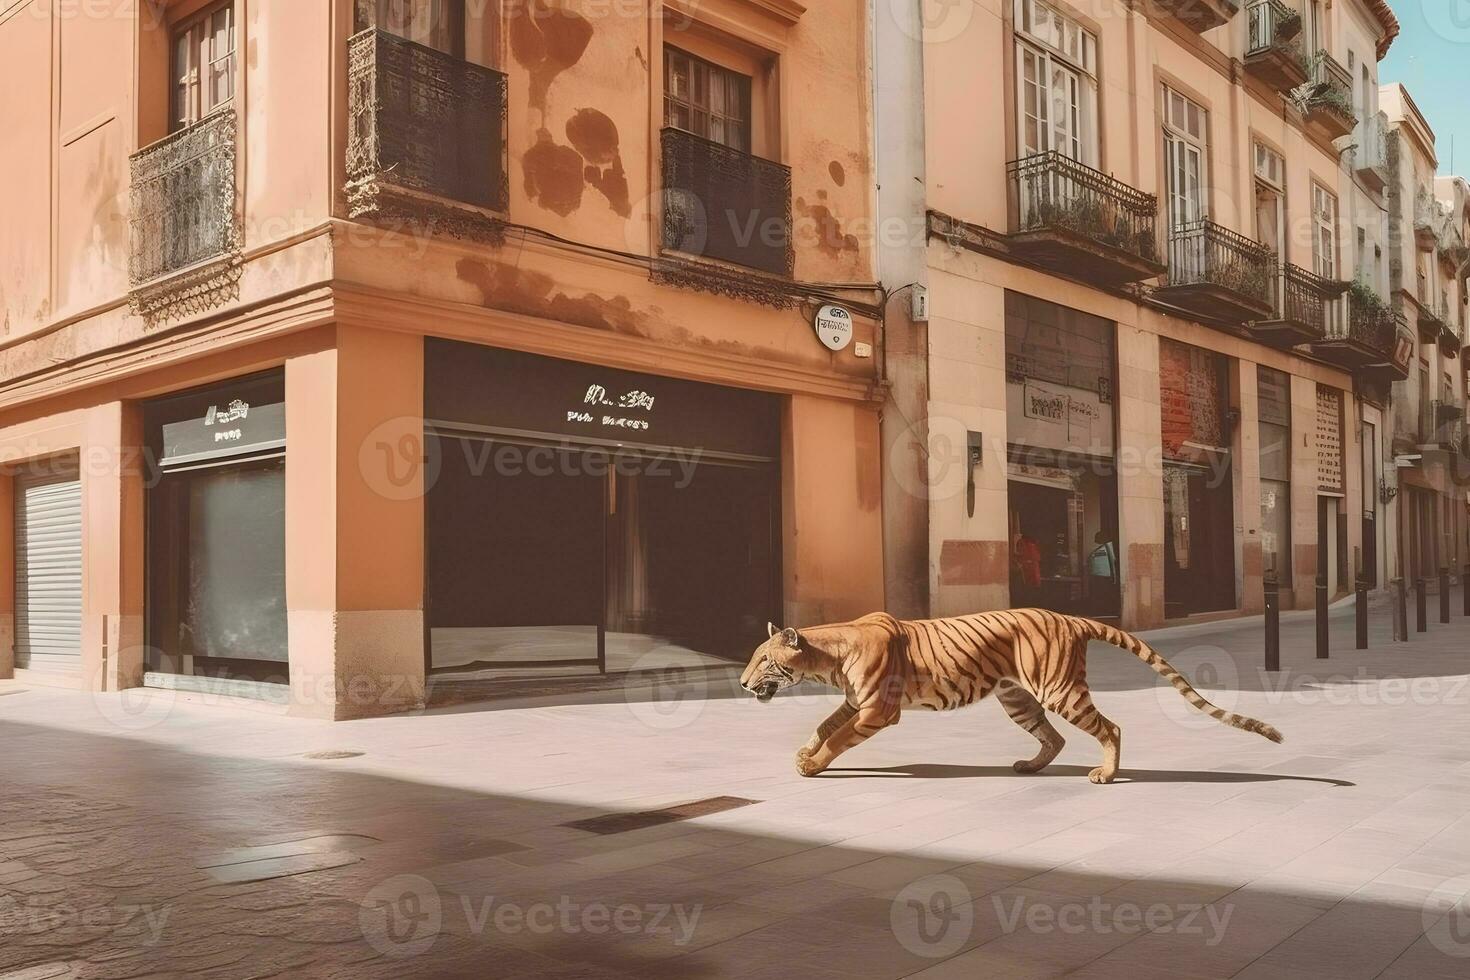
(333, 754)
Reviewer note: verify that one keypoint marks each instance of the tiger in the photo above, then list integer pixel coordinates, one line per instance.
(1033, 660)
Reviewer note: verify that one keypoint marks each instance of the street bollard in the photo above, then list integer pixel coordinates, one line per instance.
(1322, 626)
(1421, 601)
(1444, 595)
(1465, 587)
(1362, 611)
(1400, 612)
(1273, 621)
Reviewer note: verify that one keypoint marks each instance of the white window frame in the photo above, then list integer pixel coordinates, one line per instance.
(198, 55)
(1186, 144)
(1326, 248)
(1059, 50)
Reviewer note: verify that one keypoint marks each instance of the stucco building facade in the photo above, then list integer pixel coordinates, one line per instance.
(1160, 354)
(350, 343)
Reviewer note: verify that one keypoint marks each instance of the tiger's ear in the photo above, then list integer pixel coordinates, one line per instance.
(791, 638)
(771, 630)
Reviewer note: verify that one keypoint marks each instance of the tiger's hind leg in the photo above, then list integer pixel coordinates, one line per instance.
(1075, 705)
(1027, 712)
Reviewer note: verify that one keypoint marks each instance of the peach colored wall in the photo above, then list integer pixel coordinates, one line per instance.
(112, 545)
(7, 587)
(25, 170)
(831, 519)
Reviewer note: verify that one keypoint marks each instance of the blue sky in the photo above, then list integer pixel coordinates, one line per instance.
(1432, 58)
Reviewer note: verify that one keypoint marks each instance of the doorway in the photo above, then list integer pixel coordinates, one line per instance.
(1199, 571)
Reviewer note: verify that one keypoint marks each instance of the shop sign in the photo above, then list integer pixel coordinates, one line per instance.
(247, 416)
(1329, 440)
(834, 327)
(469, 385)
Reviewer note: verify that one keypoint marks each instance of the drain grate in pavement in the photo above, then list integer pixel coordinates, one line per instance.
(333, 754)
(621, 823)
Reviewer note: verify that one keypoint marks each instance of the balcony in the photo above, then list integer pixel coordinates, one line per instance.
(425, 137)
(1219, 274)
(1450, 340)
(1429, 219)
(1370, 156)
(1201, 15)
(1303, 301)
(1274, 51)
(185, 213)
(723, 204)
(1071, 218)
(1367, 336)
(1328, 100)
(1433, 318)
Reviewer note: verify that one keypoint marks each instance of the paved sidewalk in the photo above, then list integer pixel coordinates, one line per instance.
(154, 835)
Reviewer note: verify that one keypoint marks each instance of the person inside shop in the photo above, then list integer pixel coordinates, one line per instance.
(1102, 574)
(1025, 569)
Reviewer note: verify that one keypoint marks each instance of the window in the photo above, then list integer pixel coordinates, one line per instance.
(437, 24)
(1185, 126)
(1324, 225)
(1270, 198)
(706, 100)
(203, 65)
(1056, 86)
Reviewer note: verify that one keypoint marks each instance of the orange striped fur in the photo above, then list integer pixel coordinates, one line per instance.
(1032, 660)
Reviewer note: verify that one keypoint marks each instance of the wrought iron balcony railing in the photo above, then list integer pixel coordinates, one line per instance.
(1205, 253)
(1305, 298)
(184, 210)
(1369, 323)
(1272, 23)
(1053, 191)
(423, 122)
(1331, 93)
(721, 203)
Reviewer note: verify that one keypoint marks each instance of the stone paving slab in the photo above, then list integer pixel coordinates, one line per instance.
(1344, 852)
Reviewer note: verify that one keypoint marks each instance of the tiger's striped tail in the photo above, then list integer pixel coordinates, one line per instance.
(1162, 667)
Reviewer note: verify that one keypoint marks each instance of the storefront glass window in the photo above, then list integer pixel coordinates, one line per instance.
(1061, 459)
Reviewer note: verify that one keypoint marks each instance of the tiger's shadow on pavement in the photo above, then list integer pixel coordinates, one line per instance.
(947, 771)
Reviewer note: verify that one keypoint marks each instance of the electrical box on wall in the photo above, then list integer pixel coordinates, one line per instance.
(919, 304)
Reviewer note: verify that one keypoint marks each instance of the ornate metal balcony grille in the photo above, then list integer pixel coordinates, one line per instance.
(424, 122)
(1053, 191)
(183, 207)
(1204, 253)
(1370, 324)
(724, 204)
(1331, 88)
(1306, 298)
(1274, 25)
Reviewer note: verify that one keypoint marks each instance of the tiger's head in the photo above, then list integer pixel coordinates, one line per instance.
(774, 665)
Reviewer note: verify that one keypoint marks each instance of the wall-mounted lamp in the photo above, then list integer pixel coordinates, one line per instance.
(1386, 493)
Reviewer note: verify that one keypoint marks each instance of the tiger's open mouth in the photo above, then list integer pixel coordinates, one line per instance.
(766, 691)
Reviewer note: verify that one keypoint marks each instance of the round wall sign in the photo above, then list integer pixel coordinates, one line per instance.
(834, 327)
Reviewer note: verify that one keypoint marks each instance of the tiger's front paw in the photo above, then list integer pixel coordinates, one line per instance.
(805, 764)
(1102, 775)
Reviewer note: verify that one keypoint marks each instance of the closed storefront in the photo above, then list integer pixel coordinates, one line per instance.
(1274, 400)
(216, 502)
(48, 566)
(1061, 458)
(1199, 542)
(1332, 532)
(585, 518)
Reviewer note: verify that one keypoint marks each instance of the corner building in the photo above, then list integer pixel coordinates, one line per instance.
(354, 346)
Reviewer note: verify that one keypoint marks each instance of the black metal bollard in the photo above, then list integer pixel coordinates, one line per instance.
(1273, 621)
(1421, 601)
(1323, 636)
(1444, 595)
(1465, 587)
(1362, 611)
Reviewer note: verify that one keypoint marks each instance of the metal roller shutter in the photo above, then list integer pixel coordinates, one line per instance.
(48, 571)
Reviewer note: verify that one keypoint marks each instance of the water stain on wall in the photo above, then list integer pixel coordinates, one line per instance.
(595, 136)
(505, 287)
(547, 40)
(838, 174)
(829, 236)
(974, 563)
(554, 175)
